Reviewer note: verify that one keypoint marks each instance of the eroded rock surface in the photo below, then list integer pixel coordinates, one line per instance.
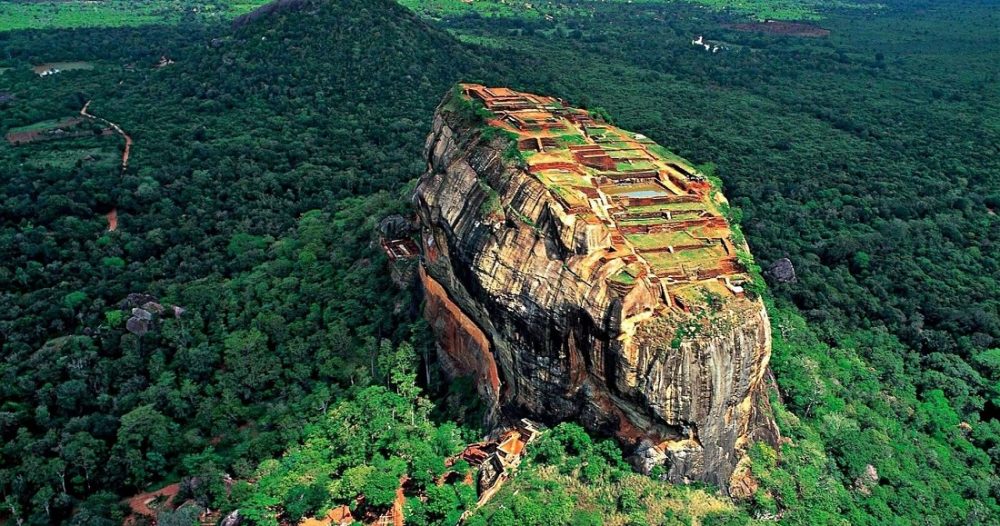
(581, 272)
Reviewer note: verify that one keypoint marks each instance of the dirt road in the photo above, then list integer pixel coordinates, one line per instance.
(113, 214)
(118, 129)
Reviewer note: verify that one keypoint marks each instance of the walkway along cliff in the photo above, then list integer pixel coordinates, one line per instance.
(582, 272)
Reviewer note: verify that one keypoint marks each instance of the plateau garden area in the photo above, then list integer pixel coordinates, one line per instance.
(237, 342)
(665, 218)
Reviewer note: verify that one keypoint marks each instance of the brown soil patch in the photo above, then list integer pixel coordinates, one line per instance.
(147, 504)
(774, 27)
(61, 131)
(112, 220)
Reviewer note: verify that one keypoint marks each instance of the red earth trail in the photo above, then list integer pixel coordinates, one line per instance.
(117, 128)
(112, 220)
(113, 214)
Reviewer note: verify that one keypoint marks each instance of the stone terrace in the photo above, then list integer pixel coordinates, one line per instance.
(665, 224)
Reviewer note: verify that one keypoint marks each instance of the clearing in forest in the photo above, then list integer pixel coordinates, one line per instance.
(64, 128)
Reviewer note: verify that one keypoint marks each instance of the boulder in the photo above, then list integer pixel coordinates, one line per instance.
(868, 480)
(136, 299)
(153, 307)
(647, 456)
(782, 271)
(233, 519)
(395, 227)
(137, 326)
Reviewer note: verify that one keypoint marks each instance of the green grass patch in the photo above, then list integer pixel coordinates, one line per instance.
(623, 277)
(626, 154)
(661, 240)
(98, 156)
(635, 165)
(62, 66)
(666, 154)
(50, 124)
(572, 139)
(491, 206)
(115, 13)
(642, 221)
(664, 207)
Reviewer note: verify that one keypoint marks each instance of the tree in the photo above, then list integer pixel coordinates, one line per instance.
(380, 487)
(74, 299)
(144, 441)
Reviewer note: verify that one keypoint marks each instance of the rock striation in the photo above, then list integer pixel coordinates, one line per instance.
(582, 272)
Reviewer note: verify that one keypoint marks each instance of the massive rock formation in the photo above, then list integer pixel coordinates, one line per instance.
(582, 272)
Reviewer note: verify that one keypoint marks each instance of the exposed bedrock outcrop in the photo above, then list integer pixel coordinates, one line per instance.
(520, 295)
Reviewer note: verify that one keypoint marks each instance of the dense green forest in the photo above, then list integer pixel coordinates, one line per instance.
(265, 155)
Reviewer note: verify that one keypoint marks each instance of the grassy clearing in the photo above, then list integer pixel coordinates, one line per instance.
(708, 257)
(643, 221)
(623, 277)
(572, 139)
(635, 165)
(50, 124)
(627, 154)
(62, 66)
(665, 154)
(661, 240)
(114, 13)
(673, 207)
(103, 157)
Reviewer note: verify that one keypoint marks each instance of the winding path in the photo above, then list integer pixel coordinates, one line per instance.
(118, 129)
(113, 214)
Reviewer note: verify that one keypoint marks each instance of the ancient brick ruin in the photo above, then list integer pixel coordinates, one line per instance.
(660, 211)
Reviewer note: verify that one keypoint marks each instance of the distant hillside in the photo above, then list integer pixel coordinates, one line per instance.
(273, 7)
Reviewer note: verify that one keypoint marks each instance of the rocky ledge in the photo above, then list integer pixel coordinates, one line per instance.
(582, 272)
